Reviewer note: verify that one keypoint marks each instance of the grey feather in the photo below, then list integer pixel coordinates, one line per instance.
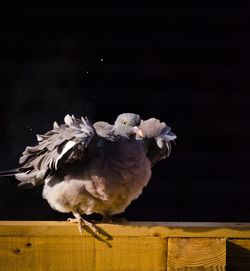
(157, 138)
(103, 128)
(60, 145)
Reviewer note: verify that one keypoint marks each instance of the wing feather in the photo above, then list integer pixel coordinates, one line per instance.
(64, 144)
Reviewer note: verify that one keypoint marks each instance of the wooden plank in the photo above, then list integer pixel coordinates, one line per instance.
(238, 254)
(48, 245)
(132, 254)
(136, 229)
(196, 254)
(50, 253)
(82, 253)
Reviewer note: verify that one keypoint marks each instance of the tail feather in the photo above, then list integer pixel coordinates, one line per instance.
(8, 173)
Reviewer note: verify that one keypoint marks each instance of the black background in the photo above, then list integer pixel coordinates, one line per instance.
(186, 64)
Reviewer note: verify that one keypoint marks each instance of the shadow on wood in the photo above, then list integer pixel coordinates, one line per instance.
(238, 254)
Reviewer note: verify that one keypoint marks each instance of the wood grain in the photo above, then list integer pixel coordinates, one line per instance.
(132, 254)
(196, 254)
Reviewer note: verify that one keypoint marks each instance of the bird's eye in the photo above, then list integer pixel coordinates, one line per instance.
(124, 122)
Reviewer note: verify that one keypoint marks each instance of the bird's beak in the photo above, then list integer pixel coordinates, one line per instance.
(138, 132)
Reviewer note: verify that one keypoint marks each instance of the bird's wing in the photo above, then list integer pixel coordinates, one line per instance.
(157, 137)
(63, 145)
(103, 128)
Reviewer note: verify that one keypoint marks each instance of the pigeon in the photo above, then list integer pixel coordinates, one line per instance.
(90, 168)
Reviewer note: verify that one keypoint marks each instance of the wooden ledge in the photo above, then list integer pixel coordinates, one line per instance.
(147, 246)
(137, 229)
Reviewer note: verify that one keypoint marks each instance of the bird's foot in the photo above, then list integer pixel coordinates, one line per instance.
(91, 228)
(75, 220)
(82, 222)
(90, 225)
(72, 220)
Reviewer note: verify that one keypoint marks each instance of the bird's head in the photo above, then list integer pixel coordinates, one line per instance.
(127, 124)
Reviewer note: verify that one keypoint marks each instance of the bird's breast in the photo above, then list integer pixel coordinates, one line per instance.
(123, 171)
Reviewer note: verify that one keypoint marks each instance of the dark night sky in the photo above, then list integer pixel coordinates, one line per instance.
(186, 64)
